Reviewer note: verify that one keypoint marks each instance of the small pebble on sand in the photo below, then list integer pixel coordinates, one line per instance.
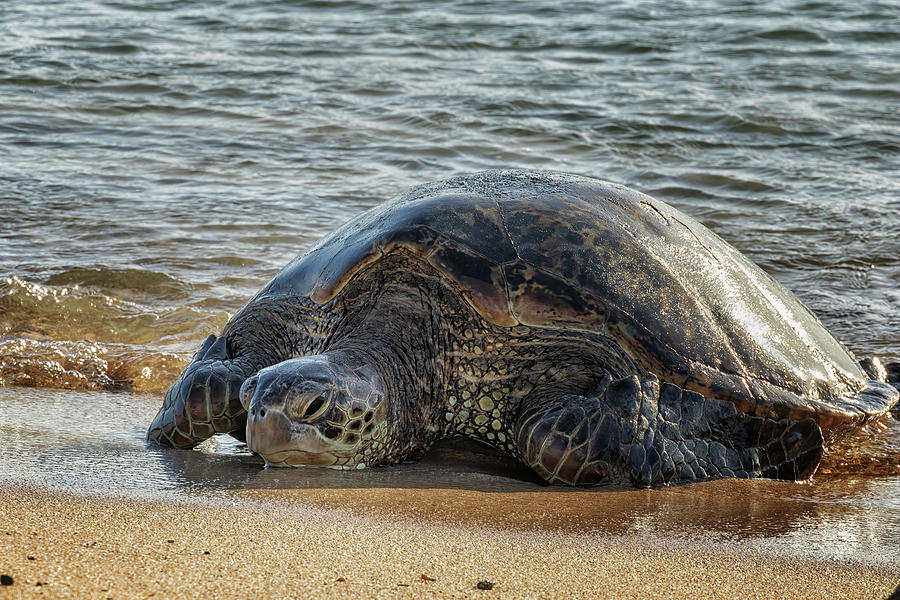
(6, 579)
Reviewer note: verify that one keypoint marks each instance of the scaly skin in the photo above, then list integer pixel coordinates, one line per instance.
(637, 433)
(204, 400)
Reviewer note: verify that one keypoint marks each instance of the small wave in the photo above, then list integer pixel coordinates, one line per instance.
(726, 181)
(140, 280)
(101, 313)
(86, 365)
(117, 49)
(793, 35)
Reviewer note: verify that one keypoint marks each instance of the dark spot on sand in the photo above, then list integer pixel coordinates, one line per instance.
(6, 579)
(485, 585)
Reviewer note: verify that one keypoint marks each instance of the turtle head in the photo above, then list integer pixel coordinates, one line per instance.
(314, 411)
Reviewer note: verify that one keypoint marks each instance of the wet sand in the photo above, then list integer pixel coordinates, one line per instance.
(283, 543)
(95, 507)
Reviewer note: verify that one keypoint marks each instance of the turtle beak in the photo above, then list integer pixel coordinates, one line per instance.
(268, 429)
(282, 442)
(277, 438)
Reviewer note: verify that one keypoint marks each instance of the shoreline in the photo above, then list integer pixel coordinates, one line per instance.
(373, 542)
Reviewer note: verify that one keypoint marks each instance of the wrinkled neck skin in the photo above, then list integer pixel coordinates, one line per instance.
(398, 339)
(388, 333)
(269, 330)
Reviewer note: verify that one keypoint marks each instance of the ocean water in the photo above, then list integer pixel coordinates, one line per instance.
(161, 160)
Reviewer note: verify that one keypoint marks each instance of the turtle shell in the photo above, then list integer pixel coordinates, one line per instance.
(557, 250)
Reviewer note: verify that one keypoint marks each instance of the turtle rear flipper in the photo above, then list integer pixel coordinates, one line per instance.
(880, 372)
(893, 374)
(204, 401)
(893, 378)
(639, 433)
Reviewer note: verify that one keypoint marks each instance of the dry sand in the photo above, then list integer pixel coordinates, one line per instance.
(370, 543)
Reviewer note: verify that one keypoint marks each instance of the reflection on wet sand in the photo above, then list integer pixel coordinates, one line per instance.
(873, 451)
(836, 517)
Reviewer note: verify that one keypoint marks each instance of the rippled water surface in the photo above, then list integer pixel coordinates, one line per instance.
(159, 161)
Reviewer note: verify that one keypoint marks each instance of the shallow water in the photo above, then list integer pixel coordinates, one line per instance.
(159, 161)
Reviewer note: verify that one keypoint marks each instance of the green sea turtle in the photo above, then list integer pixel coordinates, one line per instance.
(589, 330)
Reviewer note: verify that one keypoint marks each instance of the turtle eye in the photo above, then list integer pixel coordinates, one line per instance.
(315, 407)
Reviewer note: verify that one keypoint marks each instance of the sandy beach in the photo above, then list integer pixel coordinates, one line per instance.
(287, 544)
(92, 511)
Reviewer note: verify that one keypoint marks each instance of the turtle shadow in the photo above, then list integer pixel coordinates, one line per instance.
(452, 464)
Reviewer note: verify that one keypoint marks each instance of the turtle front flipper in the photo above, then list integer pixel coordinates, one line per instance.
(636, 432)
(204, 401)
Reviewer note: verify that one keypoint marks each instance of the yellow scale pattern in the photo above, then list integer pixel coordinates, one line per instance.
(493, 369)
